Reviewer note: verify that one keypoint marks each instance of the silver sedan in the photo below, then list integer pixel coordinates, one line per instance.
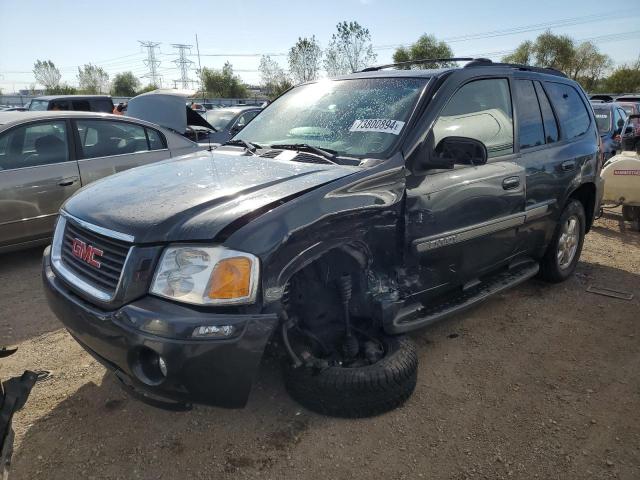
(46, 156)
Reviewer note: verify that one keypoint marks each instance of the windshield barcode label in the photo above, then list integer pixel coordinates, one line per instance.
(382, 125)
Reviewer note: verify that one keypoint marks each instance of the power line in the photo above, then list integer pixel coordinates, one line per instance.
(152, 62)
(183, 63)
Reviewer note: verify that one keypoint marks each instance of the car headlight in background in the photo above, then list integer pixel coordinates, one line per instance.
(205, 275)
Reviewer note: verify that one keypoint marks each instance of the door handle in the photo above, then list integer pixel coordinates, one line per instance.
(510, 183)
(67, 182)
(568, 165)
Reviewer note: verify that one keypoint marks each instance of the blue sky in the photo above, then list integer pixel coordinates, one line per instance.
(72, 33)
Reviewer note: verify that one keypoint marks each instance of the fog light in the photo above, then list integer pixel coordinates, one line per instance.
(214, 331)
(162, 365)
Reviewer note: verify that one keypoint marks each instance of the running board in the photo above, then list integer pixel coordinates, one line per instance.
(418, 316)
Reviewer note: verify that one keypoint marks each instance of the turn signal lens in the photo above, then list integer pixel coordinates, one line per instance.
(231, 279)
(206, 275)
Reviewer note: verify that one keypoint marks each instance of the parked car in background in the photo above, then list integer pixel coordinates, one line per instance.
(610, 118)
(628, 98)
(197, 107)
(46, 156)
(167, 107)
(632, 108)
(229, 120)
(82, 103)
(14, 109)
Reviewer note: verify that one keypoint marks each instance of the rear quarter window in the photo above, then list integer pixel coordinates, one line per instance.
(102, 105)
(571, 111)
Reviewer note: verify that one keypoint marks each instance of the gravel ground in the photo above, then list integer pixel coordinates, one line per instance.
(540, 382)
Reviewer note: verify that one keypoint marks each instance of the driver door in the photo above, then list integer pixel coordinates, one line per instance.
(462, 223)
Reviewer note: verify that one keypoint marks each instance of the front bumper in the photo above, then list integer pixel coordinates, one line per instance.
(216, 372)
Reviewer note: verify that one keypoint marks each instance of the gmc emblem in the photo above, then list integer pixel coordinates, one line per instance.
(86, 253)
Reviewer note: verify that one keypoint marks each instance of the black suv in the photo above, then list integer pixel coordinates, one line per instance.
(346, 214)
(83, 103)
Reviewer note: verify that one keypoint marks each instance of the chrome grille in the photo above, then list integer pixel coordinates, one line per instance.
(112, 260)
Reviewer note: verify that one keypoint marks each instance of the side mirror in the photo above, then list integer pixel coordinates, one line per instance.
(237, 127)
(457, 150)
(620, 123)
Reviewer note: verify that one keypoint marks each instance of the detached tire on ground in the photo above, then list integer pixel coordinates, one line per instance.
(563, 252)
(359, 391)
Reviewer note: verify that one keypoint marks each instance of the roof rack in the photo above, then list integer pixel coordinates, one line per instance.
(473, 62)
(484, 62)
(416, 62)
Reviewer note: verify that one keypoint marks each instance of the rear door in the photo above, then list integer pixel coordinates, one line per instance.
(105, 147)
(462, 223)
(38, 173)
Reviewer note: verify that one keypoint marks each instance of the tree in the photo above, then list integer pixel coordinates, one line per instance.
(92, 79)
(223, 83)
(350, 49)
(583, 62)
(426, 47)
(46, 74)
(148, 88)
(63, 89)
(523, 54)
(125, 85)
(304, 59)
(624, 79)
(273, 79)
(554, 51)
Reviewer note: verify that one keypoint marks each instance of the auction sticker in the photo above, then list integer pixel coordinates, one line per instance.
(383, 125)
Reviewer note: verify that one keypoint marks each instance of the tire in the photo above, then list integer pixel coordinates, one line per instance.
(632, 214)
(552, 268)
(360, 391)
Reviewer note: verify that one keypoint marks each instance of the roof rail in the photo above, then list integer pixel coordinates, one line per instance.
(473, 62)
(485, 62)
(417, 62)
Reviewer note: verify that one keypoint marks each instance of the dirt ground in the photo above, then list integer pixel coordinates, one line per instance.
(540, 382)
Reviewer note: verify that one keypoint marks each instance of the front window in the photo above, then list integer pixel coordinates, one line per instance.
(603, 119)
(34, 145)
(356, 118)
(480, 110)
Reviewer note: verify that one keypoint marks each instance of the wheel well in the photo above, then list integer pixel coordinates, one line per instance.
(586, 194)
(313, 288)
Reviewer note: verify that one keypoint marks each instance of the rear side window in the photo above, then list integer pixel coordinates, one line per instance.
(102, 105)
(100, 138)
(81, 105)
(480, 110)
(548, 118)
(571, 110)
(530, 130)
(155, 140)
(34, 145)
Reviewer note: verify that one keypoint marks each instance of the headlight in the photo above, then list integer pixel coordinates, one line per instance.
(206, 275)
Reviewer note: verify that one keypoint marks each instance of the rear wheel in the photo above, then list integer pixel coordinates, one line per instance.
(563, 252)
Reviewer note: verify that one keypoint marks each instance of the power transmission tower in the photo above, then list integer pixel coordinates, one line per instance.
(152, 62)
(183, 63)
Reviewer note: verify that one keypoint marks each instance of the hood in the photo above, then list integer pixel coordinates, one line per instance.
(168, 110)
(195, 196)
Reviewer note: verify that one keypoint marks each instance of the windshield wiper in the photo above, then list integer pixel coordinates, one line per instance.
(328, 155)
(252, 147)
